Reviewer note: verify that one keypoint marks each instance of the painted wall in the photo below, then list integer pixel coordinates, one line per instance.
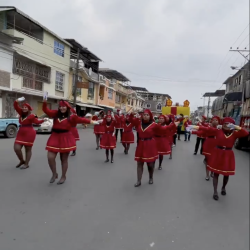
(44, 54)
(104, 93)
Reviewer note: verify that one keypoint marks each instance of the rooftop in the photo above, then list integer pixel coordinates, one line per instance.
(143, 90)
(113, 74)
(217, 93)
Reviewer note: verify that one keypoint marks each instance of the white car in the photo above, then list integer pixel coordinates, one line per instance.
(45, 127)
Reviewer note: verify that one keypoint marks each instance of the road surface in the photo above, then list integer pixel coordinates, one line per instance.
(98, 207)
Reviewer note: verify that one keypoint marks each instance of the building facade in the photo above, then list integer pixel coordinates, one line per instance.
(40, 63)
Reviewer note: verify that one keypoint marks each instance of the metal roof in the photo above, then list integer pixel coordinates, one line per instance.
(113, 74)
(83, 50)
(139, 89)
(217, 93)
(8, 8)
(143, 90)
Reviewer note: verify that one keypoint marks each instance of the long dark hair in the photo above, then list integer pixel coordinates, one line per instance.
(25, 114)
(61, 115)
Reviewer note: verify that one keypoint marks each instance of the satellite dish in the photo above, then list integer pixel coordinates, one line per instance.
(90, 71)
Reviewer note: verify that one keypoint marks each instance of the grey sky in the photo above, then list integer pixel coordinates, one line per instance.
(173, 47)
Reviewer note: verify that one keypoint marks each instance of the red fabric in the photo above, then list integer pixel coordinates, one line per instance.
(27, 106)
(204, 117)
(217, 118)
(119, 120)
(188, 122)
(223, 161)
(26, 135)
(62, 142)
(162, 138)
(174, 110)
(108, 140)
(228, 120)
(127, 135)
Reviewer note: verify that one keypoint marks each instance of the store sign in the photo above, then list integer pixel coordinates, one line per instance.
(82, 85)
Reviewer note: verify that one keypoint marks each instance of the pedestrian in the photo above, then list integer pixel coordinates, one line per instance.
(61, 139)
(200, 139)
(26, 134)
(146, 150)
(223, 160)
(98, 128)
(118, 124)
(172, 134)
(127, 135)
(108, 140)
(187, 133)
(179, 128)
(162, 139)
(209, 145)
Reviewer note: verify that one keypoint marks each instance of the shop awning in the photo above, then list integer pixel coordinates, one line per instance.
(88, 106)
(31, 57)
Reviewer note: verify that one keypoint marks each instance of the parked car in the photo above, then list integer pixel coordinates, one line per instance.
(45, 127)
(9, 127)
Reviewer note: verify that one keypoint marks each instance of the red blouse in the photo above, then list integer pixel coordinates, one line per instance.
(66, 123)
(28, 120)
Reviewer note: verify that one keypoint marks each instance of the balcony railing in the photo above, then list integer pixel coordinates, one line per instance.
(120, 89)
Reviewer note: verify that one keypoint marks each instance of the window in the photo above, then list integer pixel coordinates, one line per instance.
(110, 94)
(59, 81)
(117, 98)
(240, 79)
(147, 105)
(58, 48)
(91, 90)
(158, 106)
(32, 84)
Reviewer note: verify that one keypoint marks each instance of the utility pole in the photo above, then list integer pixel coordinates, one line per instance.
(208, 105)
(76, 75)
(241, 51)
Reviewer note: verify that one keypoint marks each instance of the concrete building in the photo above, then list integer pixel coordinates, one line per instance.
(153, 101)
(88, 84)
(41, 63)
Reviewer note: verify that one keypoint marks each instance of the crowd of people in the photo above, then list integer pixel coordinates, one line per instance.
(155, 138)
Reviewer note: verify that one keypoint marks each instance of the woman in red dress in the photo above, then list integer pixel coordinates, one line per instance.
(99, 128)
(26, 134)
(108, 140)
(127, 135)
(209, 145)
(61, 140)
(162, 139)
(146, 150)
(223, 160)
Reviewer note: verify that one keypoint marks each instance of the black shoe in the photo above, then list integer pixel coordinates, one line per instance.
(107, 160)
(20, 164)
(170, 158)
(53, 178)
(61, 181)
(160, 168)
(97, 148)
(73, 154)
(138, 184)
(216, 197)
(195, 153)
(207, 179)
(223, 192)
(112, 161)
(150, 181)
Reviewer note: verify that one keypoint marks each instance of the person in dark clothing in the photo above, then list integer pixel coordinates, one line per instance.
(200, 137)
(180, 120)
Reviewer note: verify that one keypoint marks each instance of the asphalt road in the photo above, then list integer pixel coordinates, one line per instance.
(98, 207)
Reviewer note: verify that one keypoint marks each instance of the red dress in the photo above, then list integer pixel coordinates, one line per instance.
(26, 134)
(222, 158)
(108, 140)
(74, 129)
(61, 139)
(162, 138)
(127, 135)
(118, 121)
(171, 133)
(98, 128)
(146, 150)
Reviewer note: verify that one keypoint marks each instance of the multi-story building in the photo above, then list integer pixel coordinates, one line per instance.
(88, 84)
(40, 63)
(153, 101)
(113, 92)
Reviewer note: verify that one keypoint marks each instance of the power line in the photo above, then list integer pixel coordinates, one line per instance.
(240, 35)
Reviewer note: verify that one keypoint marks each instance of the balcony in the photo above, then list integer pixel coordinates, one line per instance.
(121, 90)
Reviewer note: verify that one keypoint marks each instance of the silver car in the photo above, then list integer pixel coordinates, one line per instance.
(45, 127)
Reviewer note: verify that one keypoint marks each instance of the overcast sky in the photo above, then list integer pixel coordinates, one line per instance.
(174, 47)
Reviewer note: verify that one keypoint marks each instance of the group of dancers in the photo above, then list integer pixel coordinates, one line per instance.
(154, 139)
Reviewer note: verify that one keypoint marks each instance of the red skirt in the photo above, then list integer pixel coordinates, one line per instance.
(163, 145)
(146, 151)
(75, 133)
(208, 146)
(26, 136)
(108, 141)
(128, 137)
(222, 162)
(61, 142)
(99, 129)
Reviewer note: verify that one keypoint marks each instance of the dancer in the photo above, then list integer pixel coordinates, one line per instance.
(127, 135)
(223, 160)
(108, 140)
(172, 134)
(118, 124)
(99, 128)
(200, 138)
(162, 139)
(146, 150)
(209, 145)
(61, 140)
(187, 133)
(26, 134)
